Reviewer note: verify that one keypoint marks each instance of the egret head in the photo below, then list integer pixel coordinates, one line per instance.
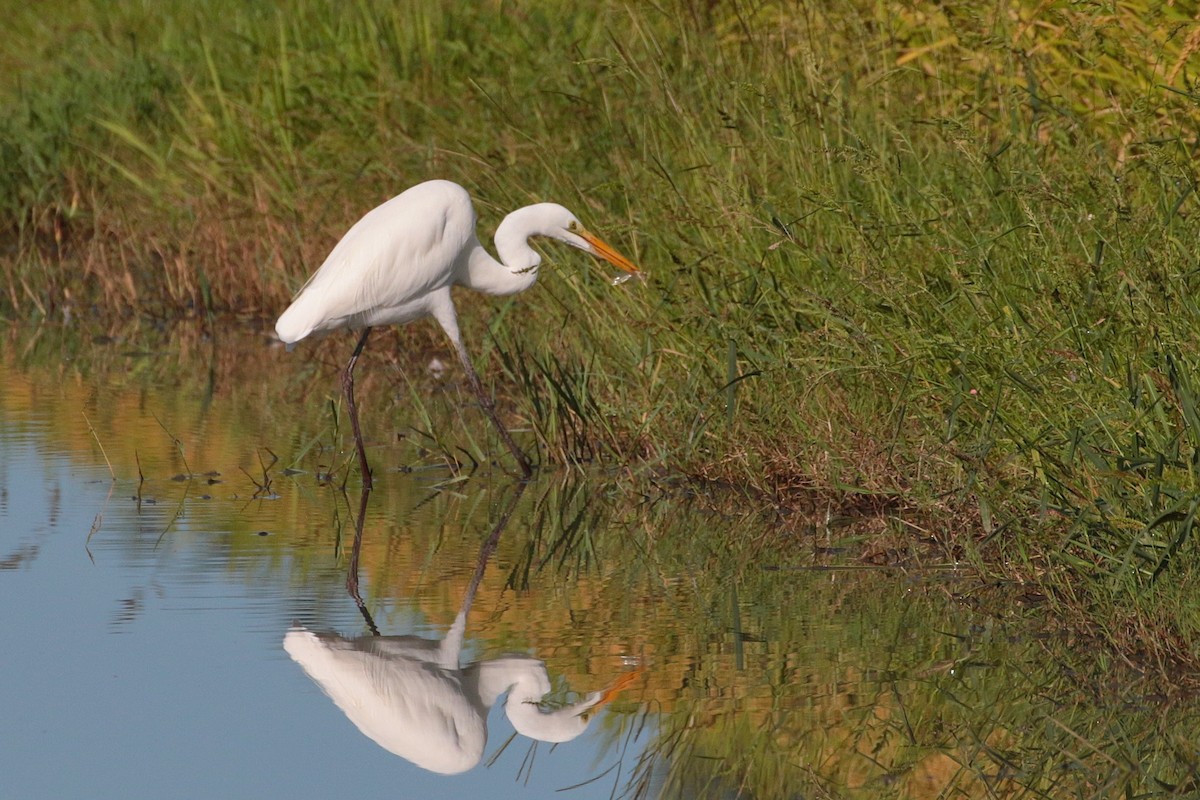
(562, 724)
(556, 222)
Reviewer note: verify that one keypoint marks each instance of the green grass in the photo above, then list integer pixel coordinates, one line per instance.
(938, 264)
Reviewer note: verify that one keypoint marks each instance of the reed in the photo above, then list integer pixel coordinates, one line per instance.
(936, 263)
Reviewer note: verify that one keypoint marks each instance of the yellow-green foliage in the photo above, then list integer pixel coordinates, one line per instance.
(899, 252)
(186, 155)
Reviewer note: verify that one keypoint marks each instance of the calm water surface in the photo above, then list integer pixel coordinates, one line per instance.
(144, 647)
(191, 634)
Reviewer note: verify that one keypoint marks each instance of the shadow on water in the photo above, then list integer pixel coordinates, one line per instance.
(731, 671)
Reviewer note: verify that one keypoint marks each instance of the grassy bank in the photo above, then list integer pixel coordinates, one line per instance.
(941, 264)
(766, 674)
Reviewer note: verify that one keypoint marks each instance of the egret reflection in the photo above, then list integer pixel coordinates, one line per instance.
(413, 697)
(410, 696)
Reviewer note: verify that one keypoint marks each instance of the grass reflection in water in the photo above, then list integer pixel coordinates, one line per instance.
(768, 678)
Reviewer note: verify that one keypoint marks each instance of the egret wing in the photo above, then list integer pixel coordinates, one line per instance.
(387, 263)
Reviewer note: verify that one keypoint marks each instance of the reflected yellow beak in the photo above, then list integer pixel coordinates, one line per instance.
(609, 253)
(621, 683)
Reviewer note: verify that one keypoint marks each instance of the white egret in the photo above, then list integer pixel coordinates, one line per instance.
(399, 262)
(410, 696)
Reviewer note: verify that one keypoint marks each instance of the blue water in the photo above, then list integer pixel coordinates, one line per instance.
(142, 636)
(141, 665)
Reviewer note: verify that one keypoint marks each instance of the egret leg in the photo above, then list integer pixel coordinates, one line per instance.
(489, 407)
(348, 388)
(352, 572)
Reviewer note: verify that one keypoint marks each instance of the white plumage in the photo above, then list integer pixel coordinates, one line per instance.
(398, 264)
(411, 696)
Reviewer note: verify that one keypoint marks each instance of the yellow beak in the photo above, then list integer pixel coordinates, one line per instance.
(622, 682)
(609, 253)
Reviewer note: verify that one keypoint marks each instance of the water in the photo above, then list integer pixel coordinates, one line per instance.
(145, 646)
(191, 633)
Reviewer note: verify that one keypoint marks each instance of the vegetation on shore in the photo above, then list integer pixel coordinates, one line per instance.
(936, 262)
(768, 671)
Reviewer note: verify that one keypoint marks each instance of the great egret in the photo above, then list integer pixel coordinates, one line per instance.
(399, 262)
(411, 697)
